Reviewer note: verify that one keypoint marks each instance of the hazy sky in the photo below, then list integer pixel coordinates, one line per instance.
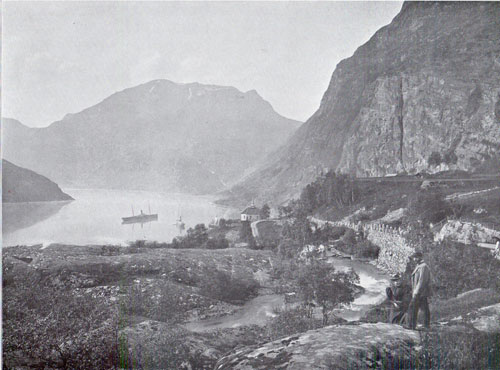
(62, 57)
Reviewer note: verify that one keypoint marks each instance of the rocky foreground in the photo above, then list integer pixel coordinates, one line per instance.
(99, 306)
(96, 306)
(334, 347)
(375, 346)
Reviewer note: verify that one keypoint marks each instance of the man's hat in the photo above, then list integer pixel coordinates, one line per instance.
(418, 255)
(395, 277)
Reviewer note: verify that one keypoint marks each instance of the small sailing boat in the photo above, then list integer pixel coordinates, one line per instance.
(180, 224)
(140, 218)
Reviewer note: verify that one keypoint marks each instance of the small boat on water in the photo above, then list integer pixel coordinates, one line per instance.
(140, 218)
(180, 224)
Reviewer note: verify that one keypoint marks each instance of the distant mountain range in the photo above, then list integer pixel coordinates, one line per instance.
(423, 94)
(158, 136)
(22, 185)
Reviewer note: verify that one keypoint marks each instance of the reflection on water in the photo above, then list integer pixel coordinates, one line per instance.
(95, 217)
(16, 216)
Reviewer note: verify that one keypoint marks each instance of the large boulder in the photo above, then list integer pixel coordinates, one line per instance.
(332, 347)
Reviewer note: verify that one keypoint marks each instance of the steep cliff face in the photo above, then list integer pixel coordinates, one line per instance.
(160, 135)
(422, 94)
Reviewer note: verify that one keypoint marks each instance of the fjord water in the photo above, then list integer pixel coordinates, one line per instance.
(94, 217)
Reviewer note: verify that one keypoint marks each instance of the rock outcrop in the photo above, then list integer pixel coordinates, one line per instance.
(485, 319)
(157, 136)
(466, 232)
(23, 185)
(422, 94)
(333, 347)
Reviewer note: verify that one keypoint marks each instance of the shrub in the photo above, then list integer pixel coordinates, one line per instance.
(428, 207)
(460, 347)
(289, 248)
(168, 307)
(265, 212)
(366, 249)
(246, 235)
(458, 268)
(291, 321)
(319, 283)
(434, 159)
(228, 287)
(57, 328)
(450, 158)
(349, 237)
(460, 306)
(328, 233)
(219, 242)
(175, 352)
(331, 189)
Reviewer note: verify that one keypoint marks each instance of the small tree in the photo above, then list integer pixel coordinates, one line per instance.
(285, 211)
(428, 207)
(320, 284)
(265, 212)
(246, 235)
(195, 238)
(434, 159)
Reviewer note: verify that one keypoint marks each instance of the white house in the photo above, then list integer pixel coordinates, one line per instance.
(251, 214)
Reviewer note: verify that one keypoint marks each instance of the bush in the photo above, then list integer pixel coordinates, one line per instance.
(246, 235)
(434, 159)
(289, 248)
(328, 233)
(228, 287)
(331, 190)
(56, 328)
(460, 347)
(460, 306)
(285, 271)
(174, 354)
(428, 207)
(319, 283)
(458, 268)
(219, 242)
(366, 249)
(349, 237)
(169, 307)
(450, 158)
(265, 212)
(291, 321)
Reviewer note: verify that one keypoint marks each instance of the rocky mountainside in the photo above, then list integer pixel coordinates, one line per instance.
(422, 94)
(22, 185)
(159, 135)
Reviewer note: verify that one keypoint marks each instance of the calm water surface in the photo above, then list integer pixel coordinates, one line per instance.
(94, 217)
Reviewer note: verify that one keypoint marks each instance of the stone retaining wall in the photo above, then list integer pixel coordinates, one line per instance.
(395, 249)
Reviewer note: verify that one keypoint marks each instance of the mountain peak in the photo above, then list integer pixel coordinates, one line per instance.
(181, 137)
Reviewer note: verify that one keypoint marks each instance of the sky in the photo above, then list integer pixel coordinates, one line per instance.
(62, 57)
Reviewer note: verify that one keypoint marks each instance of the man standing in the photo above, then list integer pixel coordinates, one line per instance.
(421, 290)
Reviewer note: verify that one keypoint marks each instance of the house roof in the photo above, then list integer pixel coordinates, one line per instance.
(252, 210)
